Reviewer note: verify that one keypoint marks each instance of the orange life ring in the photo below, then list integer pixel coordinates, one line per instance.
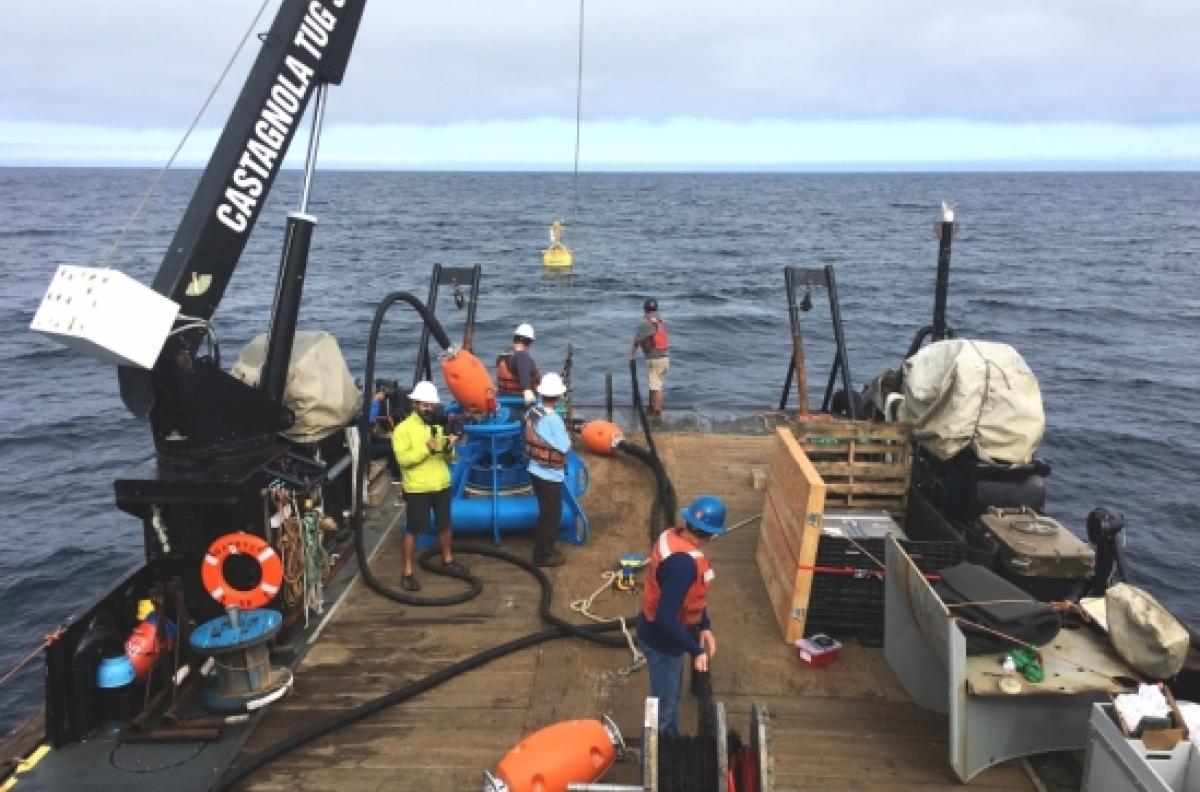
(212, 571)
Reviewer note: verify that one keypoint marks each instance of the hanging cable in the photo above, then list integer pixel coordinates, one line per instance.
(575, 172)
(199, 113)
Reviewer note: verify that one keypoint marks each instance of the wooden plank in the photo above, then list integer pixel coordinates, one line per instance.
(855, 429)
(864, 470)
(791, 530)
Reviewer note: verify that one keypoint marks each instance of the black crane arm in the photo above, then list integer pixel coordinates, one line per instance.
(309, 43)
(194, 406)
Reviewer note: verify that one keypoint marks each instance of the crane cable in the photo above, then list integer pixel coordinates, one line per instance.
(196, 120)
(575, 172)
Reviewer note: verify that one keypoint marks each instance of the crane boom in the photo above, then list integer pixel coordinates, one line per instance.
(308, 43)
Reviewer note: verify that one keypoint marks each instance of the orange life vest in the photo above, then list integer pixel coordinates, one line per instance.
(538, 449)
(506, 373)
(658, 341)
(671, 541)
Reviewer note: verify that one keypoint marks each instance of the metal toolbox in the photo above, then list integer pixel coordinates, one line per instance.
(1032, 545)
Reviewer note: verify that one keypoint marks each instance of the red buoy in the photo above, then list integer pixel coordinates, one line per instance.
(571, 752)
(601, 437)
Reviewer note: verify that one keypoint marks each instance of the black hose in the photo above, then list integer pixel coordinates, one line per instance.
(474, 587)
(638, 408)
(665, 499)
(559, 629)
(663, 512)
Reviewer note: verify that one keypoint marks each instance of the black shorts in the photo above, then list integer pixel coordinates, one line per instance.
(419, 506)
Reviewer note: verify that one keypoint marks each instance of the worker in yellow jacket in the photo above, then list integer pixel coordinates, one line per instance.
(422, 448)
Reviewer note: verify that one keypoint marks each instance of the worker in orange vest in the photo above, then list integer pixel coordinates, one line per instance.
(651, 338)
(673, 623)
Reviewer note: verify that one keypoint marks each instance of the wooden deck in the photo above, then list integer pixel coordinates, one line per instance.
(846, 727)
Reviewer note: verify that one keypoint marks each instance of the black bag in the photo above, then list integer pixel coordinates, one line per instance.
(1029, 621)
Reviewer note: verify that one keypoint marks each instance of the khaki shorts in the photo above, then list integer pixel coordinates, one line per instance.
(657, 371)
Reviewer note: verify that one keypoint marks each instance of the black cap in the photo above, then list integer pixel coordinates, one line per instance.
(651, 304)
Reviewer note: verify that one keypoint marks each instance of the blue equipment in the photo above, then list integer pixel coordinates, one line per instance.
(489, 484)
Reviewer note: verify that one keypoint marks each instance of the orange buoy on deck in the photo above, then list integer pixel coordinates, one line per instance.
(571, 752)
(469, 381)
(601, 437)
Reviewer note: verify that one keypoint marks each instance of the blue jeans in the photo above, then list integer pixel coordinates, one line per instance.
(666, 684)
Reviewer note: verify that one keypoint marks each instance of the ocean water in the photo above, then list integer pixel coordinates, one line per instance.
(1091, 276)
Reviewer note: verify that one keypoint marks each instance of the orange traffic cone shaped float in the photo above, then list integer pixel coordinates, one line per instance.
(601, 437)
(549, 760)
(469, 381)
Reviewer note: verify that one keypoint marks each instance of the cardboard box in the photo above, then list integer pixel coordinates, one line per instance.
(1159, 739)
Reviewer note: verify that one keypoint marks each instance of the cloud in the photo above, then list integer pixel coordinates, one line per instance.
(138, 63)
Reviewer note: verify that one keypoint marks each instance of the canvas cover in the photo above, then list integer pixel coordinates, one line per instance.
(962, 393)
(319, 388)
(1144, 633)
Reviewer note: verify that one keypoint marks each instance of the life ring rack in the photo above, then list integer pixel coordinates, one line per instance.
(240, 543)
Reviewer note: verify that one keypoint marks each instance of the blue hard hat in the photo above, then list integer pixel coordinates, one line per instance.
(705, 514)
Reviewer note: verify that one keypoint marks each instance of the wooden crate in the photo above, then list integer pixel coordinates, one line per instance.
(791, 529)
(865, 465)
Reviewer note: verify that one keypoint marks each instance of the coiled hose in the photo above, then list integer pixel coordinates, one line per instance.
(474, 587)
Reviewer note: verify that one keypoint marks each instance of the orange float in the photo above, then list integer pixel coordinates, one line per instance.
(601, 437)
(469, 381)
(212, 571)
(144, 649)
(571, 752)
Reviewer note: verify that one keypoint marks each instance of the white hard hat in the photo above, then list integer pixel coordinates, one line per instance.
(552, 386)
(525, 330)
(425, 391)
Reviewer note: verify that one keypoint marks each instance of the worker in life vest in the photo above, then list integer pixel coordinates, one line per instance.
(516, 371)
(651, 338)
(546, 445)
(422, 447)
(673, 624)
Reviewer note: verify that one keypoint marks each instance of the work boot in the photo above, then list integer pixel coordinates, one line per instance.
(555, 559)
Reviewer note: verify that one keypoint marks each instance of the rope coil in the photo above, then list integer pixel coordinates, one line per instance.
(584, 606)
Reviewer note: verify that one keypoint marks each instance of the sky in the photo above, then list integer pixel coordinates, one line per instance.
(667, 84)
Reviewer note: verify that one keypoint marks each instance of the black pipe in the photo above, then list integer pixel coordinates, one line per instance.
(839, 338)
(945, 236)
(639, 409)
(664, 503)
(286, 310)
(665, 499)
(608, 396)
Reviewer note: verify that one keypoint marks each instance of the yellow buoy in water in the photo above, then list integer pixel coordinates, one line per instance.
(558, 254)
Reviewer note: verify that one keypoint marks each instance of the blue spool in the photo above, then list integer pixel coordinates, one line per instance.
(219, 635)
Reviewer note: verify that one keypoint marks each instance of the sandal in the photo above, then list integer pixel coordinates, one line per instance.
(409, 583)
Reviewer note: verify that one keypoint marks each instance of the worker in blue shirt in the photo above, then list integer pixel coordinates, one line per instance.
(546, 445)
(673, 623)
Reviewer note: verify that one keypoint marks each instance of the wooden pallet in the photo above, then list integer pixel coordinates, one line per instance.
(865, 465)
